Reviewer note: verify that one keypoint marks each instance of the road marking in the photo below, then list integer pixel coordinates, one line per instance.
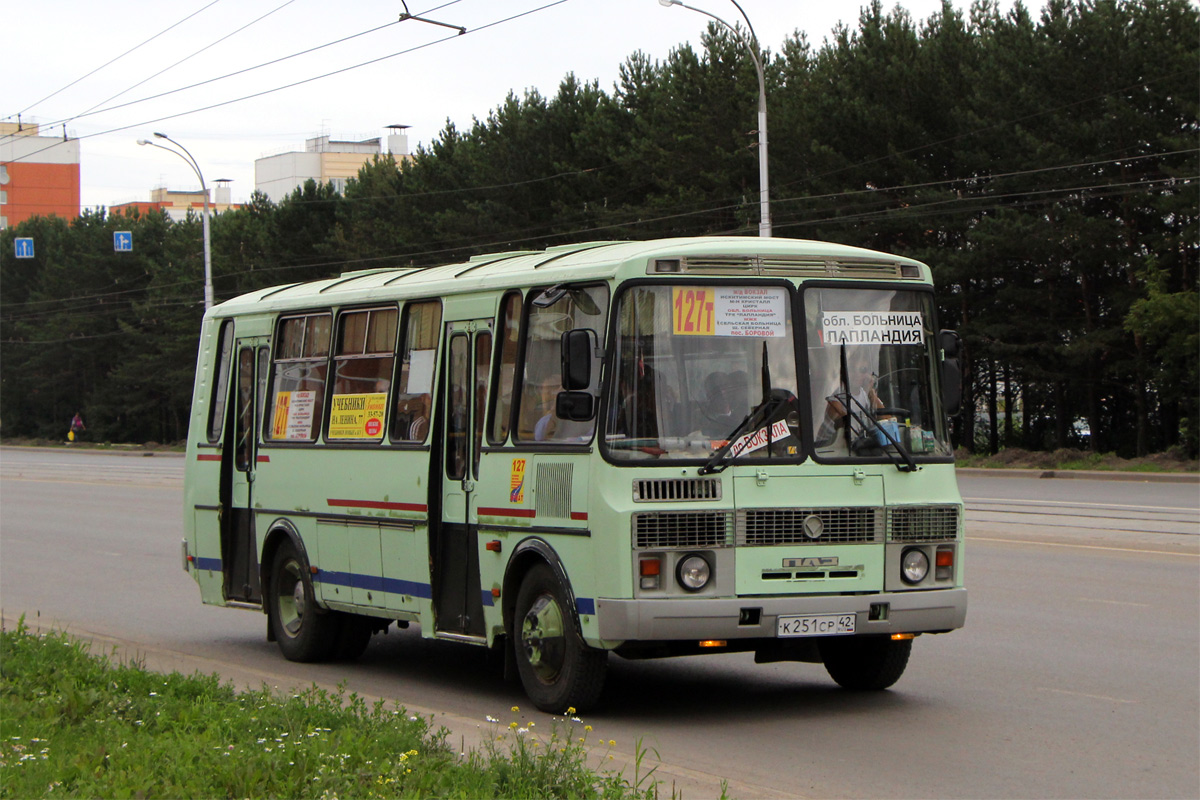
(1089, 696)
(1081, 546)
(1114, 602)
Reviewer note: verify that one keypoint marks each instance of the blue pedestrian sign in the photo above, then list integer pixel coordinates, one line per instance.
(123, 241)
(24, 248)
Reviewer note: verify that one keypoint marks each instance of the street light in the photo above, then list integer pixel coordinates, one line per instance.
(764, 201)
(191, 162)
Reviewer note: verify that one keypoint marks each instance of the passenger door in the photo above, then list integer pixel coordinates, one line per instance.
(458, 604)
(239, 550)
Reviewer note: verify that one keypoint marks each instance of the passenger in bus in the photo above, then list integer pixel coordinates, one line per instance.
(412, 417)
(725, 402)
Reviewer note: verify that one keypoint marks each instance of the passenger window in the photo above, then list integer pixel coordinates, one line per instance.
(507, 347)
(216, 406)
(301, 365)
(414, 374)
(362, 374)
(552, 313)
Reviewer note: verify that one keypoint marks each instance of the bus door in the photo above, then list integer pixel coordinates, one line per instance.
(458, 605)
(239, 551)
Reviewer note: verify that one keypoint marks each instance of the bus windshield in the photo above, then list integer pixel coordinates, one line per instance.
(873, 374)
(695, 362)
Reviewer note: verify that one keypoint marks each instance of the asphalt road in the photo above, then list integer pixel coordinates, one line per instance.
(1077, 675)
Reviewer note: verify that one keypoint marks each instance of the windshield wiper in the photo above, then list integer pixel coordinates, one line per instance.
(764, 410)
(867, 423)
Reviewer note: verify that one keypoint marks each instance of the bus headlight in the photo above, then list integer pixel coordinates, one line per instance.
(693, 572)
(914, 565)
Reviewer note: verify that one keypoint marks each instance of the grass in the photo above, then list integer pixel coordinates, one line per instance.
(75, 724)
(1067, 459)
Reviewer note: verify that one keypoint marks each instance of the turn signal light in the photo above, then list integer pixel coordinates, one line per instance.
(900, 637)
(649, 569)
(713, 643)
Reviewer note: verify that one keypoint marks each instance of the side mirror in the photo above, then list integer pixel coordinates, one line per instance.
(952, 382)
(577, 348)
(575, 406)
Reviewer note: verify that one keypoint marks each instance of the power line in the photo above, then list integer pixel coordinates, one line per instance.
(105, 64)
(308, 80)
(185, 58)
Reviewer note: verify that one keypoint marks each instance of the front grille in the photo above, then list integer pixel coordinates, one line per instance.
(922, 523)
(657, 490)
(759, 527)
(681, 529)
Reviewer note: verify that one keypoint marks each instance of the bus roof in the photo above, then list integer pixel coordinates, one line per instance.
(731, 256)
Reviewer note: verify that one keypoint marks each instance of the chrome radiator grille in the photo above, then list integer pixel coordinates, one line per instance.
(676, 529)
(655, 490)
(922, 523)
(757, 527)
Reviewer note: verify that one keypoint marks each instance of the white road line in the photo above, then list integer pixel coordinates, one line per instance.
(1082, 546)
(1089, 696)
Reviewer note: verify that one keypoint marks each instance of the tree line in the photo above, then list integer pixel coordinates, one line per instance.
(1046, 166)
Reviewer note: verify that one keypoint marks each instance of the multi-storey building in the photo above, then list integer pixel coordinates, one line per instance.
(324, 160)
(177, 204)
(39, 175)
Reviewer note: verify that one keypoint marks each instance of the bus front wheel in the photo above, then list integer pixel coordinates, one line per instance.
(303, 631)
(868, 663)
(558, 670)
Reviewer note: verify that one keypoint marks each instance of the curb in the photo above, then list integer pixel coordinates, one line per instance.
(1082, 474)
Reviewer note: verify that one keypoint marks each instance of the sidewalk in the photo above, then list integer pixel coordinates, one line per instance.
(1082, 474)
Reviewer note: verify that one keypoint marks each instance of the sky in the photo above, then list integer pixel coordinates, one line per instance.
(68, 61)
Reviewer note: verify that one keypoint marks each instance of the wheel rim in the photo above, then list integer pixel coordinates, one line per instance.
(542, 638)
(292, 601)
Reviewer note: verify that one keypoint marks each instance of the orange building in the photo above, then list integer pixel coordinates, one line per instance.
(177, 204)
(39, 175)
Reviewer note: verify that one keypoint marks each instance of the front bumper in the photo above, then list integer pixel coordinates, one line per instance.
(718, 618)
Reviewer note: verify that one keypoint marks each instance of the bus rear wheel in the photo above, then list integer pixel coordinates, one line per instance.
(867, 663)
(557, 669)
(304, 631)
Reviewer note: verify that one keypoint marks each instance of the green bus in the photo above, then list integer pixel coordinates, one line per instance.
(658, 448)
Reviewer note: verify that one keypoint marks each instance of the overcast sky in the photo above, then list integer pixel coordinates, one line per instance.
(435, 75)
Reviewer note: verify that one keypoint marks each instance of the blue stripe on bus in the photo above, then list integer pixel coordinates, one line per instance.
(585, 605)
(375, 583)
(207, 563)
(486, 595)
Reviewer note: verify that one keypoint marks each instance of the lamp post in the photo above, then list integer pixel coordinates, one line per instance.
(191, 162)
(764, 200)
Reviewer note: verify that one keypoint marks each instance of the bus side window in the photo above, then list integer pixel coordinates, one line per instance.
(414, 373)
(507, 347)
(362, 374)
(216, 406)
(568, 308)
(301, 364)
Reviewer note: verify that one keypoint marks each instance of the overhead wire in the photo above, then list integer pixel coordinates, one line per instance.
(118, 58)
(304, 81)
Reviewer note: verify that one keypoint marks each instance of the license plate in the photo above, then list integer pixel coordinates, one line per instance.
(815, 625)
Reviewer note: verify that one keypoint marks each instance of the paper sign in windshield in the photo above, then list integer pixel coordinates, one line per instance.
(293, 415)
(747, 311)
(871, 327)
(758, 440)
(357, 416)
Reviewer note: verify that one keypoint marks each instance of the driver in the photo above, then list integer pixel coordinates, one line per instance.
(862, 396)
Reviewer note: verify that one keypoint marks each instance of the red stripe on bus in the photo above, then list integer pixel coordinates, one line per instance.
(207, 457)
(527, 513)
(378, 504)
(581, 516)
(263, 459)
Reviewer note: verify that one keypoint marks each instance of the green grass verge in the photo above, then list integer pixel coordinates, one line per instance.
(74, 724)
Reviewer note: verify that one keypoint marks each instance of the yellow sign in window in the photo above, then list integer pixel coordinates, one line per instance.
(693, 310)
(357, 416)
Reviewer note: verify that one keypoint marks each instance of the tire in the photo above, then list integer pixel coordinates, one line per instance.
(557, 669)
(868, 663)
(353, 635)
(304, 631)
